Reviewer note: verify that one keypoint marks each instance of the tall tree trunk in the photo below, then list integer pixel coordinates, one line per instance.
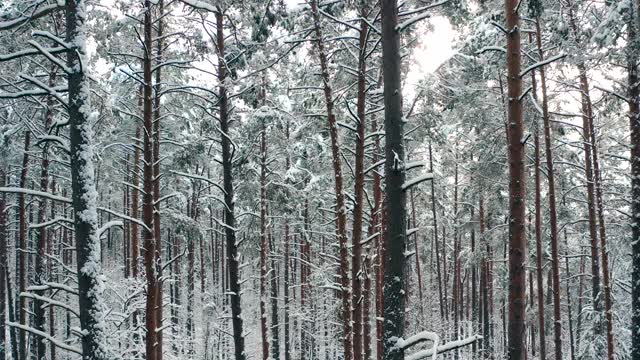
(435, 236)
(40, 275)
(84, 195)
(3, 271)
(230, 221)
(275, 323)
(287, 339)
(634, 120)
(586, 133)
(263, 236)
(485, 285)
(517, 190)
(157, 87)
(358, 210)
(395, 234)
(538, 229)
(553, 215)
(149, 242)
(22, 251)
(376, 221)
(597, 176)
(341, 209)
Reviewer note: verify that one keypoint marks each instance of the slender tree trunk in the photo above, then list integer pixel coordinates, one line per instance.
(356, 271)
(149, 242)
(538, 229)
(376, 215)
(553, 215)
(485, 285)
(517, 190)
(84, 195)
(40, 275)
(395, 234)
(586, 133)
(435, 235)
(597, 176)
(263, 237)
(634, 119)
(275, 323)
(159, 24)
(287, 339)
(22, 251)
(341, 209)
(3, 271)
(230, 221)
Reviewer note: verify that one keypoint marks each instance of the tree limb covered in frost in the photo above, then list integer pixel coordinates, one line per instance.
(423, 15)
(38, 12)
(452, 345)
(417, 180)
(46, 336)
(542, 63)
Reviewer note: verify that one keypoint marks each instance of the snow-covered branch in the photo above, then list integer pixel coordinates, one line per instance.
(452, 345)
(417, 180)
(46, 336)
(541, 64)
(422, 14)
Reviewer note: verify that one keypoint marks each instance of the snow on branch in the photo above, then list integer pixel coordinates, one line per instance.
(29, 52)
(46, 336)
(50, 302)
(491, 48)
(417, 180)
(124, 217)
(452, 345)
(17, 190)
(38, 12)
(611, 92)
(198, 177)
(108, 226)
(200, 5)
(50, 222)
(542, 63)
(422, 14)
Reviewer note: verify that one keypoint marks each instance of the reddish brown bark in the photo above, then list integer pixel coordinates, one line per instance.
(341, 210)
(553, 215)
(149, 242)
(538, 231)
(517, 189)
(3, 271)
(263, 238)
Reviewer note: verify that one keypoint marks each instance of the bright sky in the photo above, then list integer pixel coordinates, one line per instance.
(435, 47)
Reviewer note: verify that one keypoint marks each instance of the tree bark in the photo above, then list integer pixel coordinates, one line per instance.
(517, 190)
(22, 251)
(356, 240)
(395, 234)
(263, 237)
(149, 243)
(84, 195)
(230, 221)
(3, 271)
(634, 124)
(341, 208)
(553, 215)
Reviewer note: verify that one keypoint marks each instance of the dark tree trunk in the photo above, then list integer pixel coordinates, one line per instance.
(275, 323)
(287, 340)
(356, 273)
(3, 271)
(22, 251)
(230, 221)
(634, 116)
(84, 191)
(517, 190)
(149, 242)
(376, 223)
(395, 234)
